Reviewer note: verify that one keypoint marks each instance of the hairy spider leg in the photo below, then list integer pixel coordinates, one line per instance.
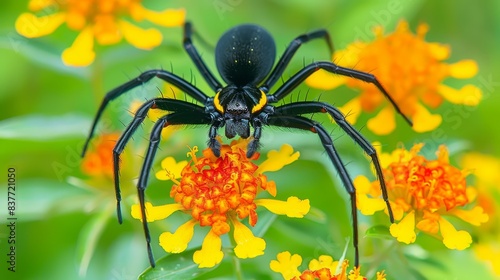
(289, 53)
(305, 72)
(168, 77)
(166, 104)
(198, 61)
(310, 125)
(178, 118)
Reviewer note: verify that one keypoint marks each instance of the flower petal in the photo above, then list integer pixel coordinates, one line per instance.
(366, 204)
(293, 207)
(167, 18)
(324, 261)
(140, 38)
(286, 264)
(210, 253)
(31, 26)
(171, 169)
(325, 80)
(423, 120)
(463, 69)
(177, 242)
(383, 123)
(474, 216)
(81, 53)
(404, 231)
(277, 159)
(37, 5)
(154, 213)
(469, 95)
(452, 238)
(248, 246)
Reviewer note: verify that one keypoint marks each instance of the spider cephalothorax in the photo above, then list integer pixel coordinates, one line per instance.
(244, 57)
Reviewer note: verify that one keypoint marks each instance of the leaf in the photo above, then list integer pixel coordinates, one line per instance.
(43, 128)
(379, 231)
(175, 266)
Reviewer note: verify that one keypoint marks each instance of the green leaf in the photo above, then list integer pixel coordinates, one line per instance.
(175, 266)
(43, 128)
(379, 231)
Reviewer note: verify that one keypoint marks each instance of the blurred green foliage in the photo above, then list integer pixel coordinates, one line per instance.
(47, 108)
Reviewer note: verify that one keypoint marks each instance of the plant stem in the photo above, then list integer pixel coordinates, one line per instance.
(236, 261)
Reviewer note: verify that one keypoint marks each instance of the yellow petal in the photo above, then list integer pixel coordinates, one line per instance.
(439, 51)
(248, 246)
(366, 204)
(37, 5)
(140, 38)
(404, 231)
(351, 110)
(154, 213)
(463, 69)
(31, 26)
(167, 18)
(325, 80)
(81, 53)
(277, 159)
(287, 265)
(177, 242)
(293, 207)
(474, 216)
(383, 123)
(452, 238)
(489, 252)
(171, 169)
(423, 120)
(210, 253)
(469, 95)
(323, 261)
(484, 167)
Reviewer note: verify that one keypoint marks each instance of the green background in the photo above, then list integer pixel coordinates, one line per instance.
(46, 109)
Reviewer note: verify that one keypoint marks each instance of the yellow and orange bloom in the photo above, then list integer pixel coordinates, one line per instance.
(323, 268)
(99, 161)
(422, 192)
(220, 192)
(410, 69)
(106, 22)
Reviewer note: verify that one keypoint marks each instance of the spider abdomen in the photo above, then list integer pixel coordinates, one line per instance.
(245, 55)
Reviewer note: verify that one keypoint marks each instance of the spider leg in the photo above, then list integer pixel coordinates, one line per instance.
(165, 104)
(196, 58)
(290, 51)
(299, 108)
(305, 72)
(142, 78)
(178, 118)
(310, 125)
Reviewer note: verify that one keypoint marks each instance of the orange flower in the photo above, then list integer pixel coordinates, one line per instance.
(323, 268)
(422, 192)
(99, 161)
(219, 192)
(411, 69)
(102, 20)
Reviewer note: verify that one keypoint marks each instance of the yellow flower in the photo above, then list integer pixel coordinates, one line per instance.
(219, 192)
(105, 21)
(411, 70)
(421, 193)
(323, 268)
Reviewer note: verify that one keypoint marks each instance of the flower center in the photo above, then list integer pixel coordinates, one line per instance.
(212, 188)
(428, 184)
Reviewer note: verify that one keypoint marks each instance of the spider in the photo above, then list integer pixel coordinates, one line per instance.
(244, 57)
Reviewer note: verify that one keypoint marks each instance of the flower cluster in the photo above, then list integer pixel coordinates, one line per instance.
(421, 193)
(323, 268)
(104, 21)
(410, 69)
(219, 192)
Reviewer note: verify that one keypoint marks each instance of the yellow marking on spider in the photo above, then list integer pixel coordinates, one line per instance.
(261, 104)
(217, 104)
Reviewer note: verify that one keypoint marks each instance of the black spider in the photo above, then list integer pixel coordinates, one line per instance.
(245, 57)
